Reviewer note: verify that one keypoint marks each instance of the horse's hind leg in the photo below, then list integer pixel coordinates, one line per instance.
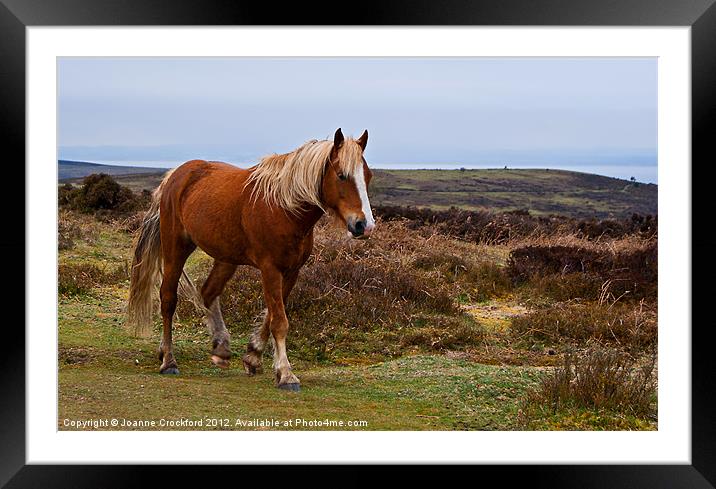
(256, 346)
(210, 292)
(175, 252)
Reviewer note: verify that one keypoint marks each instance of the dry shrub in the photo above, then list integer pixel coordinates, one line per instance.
(478, 280)
(72, 227)
(344, 307)
(637, 224)
(600, 379)
(500, 228)
(543, 260)
(379, 284)
(530, 261)
(487, 280)
(80, 279)
(475, 226)
(67, 232)
(359, 299)
(562, 287)
(565, 272)
(631, 326)
(443, 334)
(131, 223)
(392, 242)
(451, 265)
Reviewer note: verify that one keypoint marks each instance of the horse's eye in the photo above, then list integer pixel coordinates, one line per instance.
(343, 176)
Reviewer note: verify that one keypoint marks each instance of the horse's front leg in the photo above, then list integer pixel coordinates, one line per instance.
(278, 326)
(260, 335)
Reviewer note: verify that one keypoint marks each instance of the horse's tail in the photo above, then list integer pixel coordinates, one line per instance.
(147, 269)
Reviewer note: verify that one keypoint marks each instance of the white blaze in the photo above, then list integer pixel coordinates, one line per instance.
(365, 203)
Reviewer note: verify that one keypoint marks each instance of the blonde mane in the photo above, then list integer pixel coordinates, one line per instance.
(293, 180)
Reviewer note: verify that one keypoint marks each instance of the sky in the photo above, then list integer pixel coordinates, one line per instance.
(597, 115)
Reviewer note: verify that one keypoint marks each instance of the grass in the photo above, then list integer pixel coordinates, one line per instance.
(412, 393)
(101, 368)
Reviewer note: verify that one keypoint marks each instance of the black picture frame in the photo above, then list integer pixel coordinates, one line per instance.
(700, 15)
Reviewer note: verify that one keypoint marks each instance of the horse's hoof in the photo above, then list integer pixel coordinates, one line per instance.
(170, 371)
(220, 362)
(250, 367)
(221, 349)
(290, 387)
(252, 370)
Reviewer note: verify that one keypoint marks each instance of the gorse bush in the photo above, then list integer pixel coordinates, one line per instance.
(65, 195)
(639, 263)
(101, 192)
(636, 225)
(547, 273)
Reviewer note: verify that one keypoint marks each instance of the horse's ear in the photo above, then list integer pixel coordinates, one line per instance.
(363, 139)
(338, 138)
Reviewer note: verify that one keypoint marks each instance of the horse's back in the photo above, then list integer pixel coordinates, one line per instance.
(205, 176)
(205, 199)
(197, 169)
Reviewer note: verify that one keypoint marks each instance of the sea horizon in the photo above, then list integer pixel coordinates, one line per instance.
(641, 173)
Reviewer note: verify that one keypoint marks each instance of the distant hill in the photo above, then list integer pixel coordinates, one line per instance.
(542, 192)
(538, 190)
(68, 170)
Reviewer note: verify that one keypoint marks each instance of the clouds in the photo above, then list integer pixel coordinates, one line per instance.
(465, 110)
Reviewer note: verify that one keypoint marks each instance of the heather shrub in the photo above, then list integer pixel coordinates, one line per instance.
(80, 279)
(598, 380)
(564, 272)
(357, 300)
(503, 227)
(626, 325)
(73, 227)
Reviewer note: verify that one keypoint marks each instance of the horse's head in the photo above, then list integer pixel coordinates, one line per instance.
(345, 185)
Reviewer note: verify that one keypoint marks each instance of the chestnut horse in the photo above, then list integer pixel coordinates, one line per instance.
(262, 216)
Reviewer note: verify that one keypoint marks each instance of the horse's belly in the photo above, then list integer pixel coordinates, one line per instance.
(223, 248)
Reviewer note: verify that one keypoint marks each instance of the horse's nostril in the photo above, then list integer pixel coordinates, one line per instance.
(360, 227)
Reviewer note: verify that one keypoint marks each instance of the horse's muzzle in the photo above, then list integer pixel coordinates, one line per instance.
(359, 228)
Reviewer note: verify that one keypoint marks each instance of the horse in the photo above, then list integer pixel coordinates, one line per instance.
(261, 216)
